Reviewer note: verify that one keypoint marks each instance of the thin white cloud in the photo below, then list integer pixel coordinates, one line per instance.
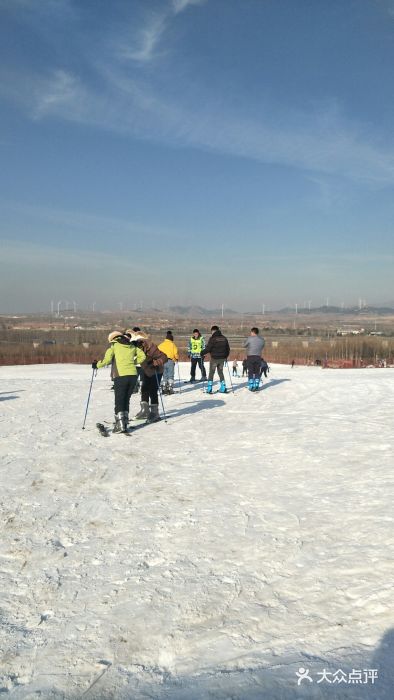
(143, 48)
(64, 222)
(388, 6)
(143, 45)
(24, 253)
(61, 89)
(181, 5)
(320, 140)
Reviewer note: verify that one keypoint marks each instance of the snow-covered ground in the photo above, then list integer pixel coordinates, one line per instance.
(212, 556)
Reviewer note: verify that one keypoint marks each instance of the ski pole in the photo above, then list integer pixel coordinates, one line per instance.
(90, 391)
(179, 378)
(161, 397)
(229, 376)
(203, 374)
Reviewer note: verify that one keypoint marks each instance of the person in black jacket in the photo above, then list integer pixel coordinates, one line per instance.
(219, 349)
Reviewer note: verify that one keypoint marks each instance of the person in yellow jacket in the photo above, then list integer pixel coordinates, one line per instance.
(170, 349)
(123, 357)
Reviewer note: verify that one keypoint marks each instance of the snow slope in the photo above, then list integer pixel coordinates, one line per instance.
(211, 556)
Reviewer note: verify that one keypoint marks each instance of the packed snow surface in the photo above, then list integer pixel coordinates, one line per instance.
(214, 555)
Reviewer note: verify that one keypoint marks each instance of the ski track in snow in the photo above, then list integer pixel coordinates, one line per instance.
(207, 557)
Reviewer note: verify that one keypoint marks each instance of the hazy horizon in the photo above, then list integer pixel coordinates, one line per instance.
(184, 151)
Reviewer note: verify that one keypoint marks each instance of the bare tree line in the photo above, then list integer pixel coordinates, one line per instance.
(81, 347)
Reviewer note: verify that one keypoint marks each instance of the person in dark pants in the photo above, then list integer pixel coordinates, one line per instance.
(254, 346)
(123, 358)
(219, 349)
(244, 368)
(195, 348)
(152, 366)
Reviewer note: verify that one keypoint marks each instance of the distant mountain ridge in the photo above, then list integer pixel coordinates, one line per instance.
(346, 310)
(200, 311)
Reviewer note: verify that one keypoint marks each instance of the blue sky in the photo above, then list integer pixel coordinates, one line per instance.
(196, 152)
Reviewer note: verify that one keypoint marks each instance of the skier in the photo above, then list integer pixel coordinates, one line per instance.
(196, 346)
(219, 349)
(235, 368)
(152, 366)
(123, 358)
(244, 367)
(254, 346)
(170, 349)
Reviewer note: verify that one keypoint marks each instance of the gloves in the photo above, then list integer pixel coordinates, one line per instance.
(94, 364)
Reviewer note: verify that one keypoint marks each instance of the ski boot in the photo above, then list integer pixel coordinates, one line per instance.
(251, 384)
(170, 387)
(153, 416)
(144, 412)
(210, 387)
(124, 421)
(121, 422)
(256, 384)
(118, 422)
(223, 388)
(166, 389)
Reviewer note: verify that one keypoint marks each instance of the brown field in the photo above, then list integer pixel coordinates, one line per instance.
(304, 338)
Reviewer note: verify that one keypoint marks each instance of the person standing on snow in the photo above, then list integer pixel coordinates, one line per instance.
(254, 346)
(219, 349)
(195, 348)
(152, 366)
(123, 359)
(170, 349)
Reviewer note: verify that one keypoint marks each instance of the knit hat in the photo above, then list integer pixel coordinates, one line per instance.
(169, 335)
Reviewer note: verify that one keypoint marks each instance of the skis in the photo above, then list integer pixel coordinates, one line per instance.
(106, 432)
(217, 391)
(102, 429)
